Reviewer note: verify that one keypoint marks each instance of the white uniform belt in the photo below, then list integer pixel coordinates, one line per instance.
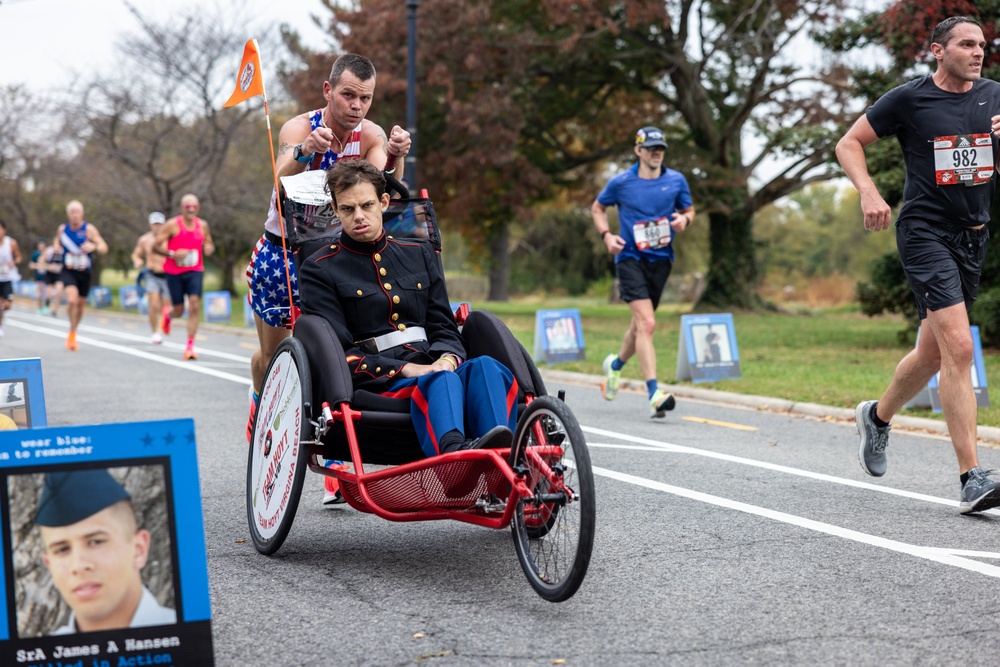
(392, 339)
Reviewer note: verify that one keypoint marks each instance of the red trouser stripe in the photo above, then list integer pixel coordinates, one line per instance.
(421, 402)
(512, 398)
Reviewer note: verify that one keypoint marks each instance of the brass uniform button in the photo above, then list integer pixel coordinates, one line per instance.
(401, 327)
(419, 286)
(395, 299)
(381, 272)
(364, 367)
(391, 373)
(378, 257)
(378, 369)
(359, 292)
(387, 286)
(395, 316)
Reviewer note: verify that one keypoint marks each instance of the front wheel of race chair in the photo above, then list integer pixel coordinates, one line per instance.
(278, 460)
(554, 528)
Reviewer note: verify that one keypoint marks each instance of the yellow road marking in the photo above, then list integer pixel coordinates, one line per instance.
(738, 427)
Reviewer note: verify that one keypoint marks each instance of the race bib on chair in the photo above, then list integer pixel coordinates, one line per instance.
(965, 159)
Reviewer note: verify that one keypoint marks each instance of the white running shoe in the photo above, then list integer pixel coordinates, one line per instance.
(609, 388)
(659, 403)
(156, 338)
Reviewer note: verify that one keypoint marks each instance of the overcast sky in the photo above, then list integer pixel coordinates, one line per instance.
(44, 43)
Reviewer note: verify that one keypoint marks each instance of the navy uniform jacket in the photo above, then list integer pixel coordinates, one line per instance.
(369, 289)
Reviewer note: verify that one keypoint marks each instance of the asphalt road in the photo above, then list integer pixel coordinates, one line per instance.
(725, 535)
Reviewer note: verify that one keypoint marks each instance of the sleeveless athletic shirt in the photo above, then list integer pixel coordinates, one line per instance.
(352, 151)
(8, 271)
(186, 239)
(71, 239)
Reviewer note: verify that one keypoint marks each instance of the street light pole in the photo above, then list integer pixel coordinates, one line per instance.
(411, 94)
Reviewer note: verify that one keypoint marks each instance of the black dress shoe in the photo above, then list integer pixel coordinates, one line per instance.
(497, 437)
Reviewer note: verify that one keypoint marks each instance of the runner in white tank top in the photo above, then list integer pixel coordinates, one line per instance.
(10, 257)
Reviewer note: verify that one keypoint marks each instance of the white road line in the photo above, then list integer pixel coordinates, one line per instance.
(681, 449)
(202, 351)
(954, 558)
(186, 365)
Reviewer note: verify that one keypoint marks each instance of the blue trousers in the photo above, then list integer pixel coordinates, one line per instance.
(480, 395)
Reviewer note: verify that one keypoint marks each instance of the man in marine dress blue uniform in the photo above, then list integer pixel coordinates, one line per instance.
(947, 125)
(653, 202)
(386, 301)
(95, 552)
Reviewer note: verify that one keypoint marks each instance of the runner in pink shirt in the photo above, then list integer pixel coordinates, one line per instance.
(185, 240)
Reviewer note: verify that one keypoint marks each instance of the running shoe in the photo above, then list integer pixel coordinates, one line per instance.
(189, 352)
(331, 485)
(609, 388)
(980, 492)
(659, 403)
(71, 343)
(165, 325)
(156, 338)
(874, 439)
(253, 412)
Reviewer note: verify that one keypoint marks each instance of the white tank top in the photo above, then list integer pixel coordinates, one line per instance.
(8, 270)
(352, 150)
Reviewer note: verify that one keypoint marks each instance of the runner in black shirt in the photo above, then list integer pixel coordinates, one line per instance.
(947, 125)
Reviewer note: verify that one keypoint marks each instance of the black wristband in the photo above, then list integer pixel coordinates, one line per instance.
(605, 233)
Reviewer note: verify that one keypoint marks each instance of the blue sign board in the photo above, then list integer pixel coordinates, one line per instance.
(707, 349)
(217, 305)
(558, 336)
(99, 297)
(22, 396)
(128, 296)
(47, 472)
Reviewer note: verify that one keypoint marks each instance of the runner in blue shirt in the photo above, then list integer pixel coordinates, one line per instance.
(654, 202)
(947, 125)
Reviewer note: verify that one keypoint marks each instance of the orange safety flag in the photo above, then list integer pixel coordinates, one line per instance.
(250, 81)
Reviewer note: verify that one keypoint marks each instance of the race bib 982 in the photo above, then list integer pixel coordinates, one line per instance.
(964, 159)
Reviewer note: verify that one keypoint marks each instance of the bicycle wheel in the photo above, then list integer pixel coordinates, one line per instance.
(277, 462)
(554, 528)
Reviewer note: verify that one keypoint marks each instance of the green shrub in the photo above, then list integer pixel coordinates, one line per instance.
(889, 292)
(986, 314)
(559, 253)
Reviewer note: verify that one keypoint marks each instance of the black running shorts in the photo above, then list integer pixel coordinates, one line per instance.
(78, 279)
(942, 262)
(638, 279)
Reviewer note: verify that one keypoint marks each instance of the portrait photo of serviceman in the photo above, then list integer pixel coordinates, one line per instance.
(87, 542)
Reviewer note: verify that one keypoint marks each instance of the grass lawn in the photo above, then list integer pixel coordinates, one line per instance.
(835, 358)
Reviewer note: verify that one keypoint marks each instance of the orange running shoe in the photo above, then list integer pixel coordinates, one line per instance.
(331, 485)
(189, 351)
(71, 343)
(165, 325)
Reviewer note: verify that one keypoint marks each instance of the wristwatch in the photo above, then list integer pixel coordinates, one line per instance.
(299, 157)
